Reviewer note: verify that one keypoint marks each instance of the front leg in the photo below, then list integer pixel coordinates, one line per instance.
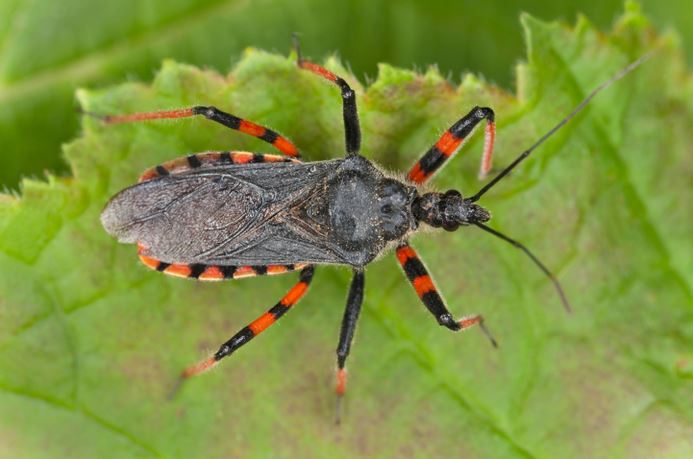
(428, 293)
(451, 141)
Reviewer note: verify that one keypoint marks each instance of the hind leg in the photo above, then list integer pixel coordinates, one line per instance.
(255, 327)
(278, 141)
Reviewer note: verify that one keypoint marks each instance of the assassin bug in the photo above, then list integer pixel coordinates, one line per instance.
(230, 214)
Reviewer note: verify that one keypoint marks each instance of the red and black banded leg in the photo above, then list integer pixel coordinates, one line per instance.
(352, 130)
(428, 293)
(346, 334)
(278, 141)
(452, 140)
(257, 326)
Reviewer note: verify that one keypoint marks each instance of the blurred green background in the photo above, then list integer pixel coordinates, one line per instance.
(48, 49)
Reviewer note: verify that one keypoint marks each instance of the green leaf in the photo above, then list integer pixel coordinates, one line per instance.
(91, 342)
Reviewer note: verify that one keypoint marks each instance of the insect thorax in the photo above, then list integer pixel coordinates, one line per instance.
(362, 209)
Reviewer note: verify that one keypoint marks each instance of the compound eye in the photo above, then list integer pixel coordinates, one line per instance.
(453, 193)
(450, 226)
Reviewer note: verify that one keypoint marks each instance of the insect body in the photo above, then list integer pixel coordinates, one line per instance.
(283, 212)
(226, 215)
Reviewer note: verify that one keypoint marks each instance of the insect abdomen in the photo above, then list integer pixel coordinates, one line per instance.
(205, 272)
(211, 158)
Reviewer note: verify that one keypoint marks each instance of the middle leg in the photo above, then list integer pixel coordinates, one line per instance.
(428, 293)
(346, 334)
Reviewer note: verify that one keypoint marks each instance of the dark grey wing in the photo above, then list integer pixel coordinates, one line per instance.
(225, 215)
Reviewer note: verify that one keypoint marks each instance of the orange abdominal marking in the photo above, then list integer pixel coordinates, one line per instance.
(241, 157)
(273, 158)
(149, 262)
(212, 273)
(276, 269)
(244, 271)
(178, 270)
(148, 175)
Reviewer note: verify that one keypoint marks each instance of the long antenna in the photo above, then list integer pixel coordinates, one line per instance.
(541, 265)
(564, 121)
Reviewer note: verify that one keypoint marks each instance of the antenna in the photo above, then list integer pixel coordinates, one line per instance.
(562, 123)
(536, 261)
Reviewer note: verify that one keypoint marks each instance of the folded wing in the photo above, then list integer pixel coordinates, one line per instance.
(231, 215)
